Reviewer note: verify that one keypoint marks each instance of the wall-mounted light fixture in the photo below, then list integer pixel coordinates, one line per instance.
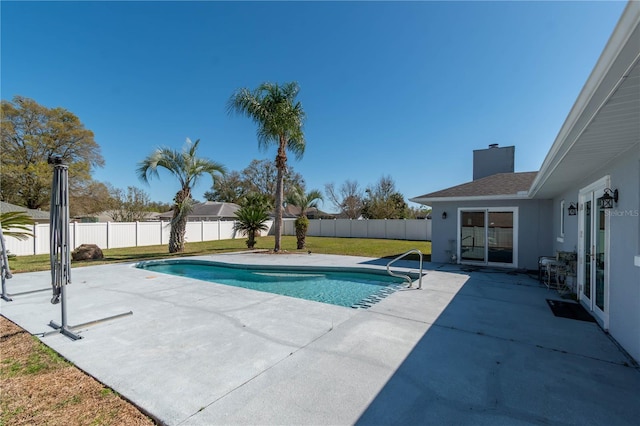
(444, 215)
(609, 197)
(572, 209)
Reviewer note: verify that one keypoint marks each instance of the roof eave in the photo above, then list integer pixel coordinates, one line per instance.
(427, 200)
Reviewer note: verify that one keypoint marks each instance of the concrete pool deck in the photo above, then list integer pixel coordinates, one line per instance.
(476, 347)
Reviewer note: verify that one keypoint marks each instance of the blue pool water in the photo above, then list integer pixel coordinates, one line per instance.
(338, 287)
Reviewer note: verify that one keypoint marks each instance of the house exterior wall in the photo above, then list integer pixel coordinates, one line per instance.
(624, 226)
(534, 229)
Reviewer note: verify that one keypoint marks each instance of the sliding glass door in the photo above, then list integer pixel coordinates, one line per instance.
(488, 236)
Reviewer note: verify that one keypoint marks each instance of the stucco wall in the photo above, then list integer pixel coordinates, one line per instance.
(534, 229)
(624, 225)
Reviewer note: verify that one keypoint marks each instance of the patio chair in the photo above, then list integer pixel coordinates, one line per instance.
(554, 271)
(543, 270)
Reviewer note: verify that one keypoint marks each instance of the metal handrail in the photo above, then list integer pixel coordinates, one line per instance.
(407, 277)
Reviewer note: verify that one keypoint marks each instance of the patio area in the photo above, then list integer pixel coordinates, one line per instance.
(471, 347)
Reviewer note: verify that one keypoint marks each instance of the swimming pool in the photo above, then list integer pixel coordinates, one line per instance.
(354, 288)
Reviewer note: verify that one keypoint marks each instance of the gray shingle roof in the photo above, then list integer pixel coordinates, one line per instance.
(209, 209)
(37, 215)
(499, 185)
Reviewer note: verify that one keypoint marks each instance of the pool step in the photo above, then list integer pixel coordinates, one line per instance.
(371, 300)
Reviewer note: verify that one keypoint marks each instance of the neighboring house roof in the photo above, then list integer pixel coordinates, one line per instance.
(291, 211)
(498, 186)
(604, 121)
(152, 216)
(208, 209)
(36, 215)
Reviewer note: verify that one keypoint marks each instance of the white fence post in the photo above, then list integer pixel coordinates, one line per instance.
(35, 240)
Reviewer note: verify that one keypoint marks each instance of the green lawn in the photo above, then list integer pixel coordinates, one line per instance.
(344, 246)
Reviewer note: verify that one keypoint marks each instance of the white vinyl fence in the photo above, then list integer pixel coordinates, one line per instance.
(133, 234)
(123, 234)
(391, 229)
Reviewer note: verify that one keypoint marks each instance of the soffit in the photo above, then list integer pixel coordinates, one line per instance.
(613, 130)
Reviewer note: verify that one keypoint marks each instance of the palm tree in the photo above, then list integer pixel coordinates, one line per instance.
(279, 118)
(304, 202)
(251, 220)
(188, 168)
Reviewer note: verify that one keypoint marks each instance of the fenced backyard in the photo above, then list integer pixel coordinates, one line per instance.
(390, 229)
(109, 235)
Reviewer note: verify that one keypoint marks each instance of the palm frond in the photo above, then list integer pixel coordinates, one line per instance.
(16, 225)
(251, 219)
(201, 166)
(274, 109)
(162, 157)
(304, 201)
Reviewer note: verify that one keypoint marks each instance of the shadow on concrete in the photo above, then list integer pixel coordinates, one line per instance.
(408, 262)
(497, 355)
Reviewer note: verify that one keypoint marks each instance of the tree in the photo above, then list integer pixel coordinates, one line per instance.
(188, 169)
(279, 118)
(349, 200)
(255, 199)
(131, 206)
(421, 212)
(228, 189)
(158, 206)
(252, 219)
(259, 177)
(30, 133)
(89, 198)
(384, 202)
(304, 201)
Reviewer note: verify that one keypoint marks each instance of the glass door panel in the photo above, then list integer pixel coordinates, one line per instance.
(500, 237)
(472, 236)
(600, 258)
(586, 288)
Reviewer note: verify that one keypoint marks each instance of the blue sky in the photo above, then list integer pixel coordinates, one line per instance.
(404, 89)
